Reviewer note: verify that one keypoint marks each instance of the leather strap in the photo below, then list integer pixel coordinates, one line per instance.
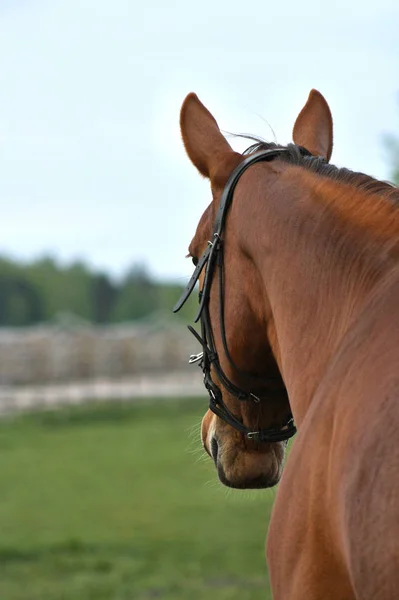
(214, 255)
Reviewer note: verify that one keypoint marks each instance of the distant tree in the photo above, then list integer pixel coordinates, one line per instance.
(391, 142)
(104, 294)
(63, 288)
(38, 291)
(20, 302)
(138, 296)
(392, 145)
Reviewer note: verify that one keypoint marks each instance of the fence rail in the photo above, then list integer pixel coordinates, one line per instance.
(161, 385)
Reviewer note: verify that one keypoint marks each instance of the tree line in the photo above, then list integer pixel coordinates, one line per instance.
(42, 290)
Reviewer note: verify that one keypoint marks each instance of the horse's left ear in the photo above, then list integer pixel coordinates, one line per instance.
(313, 128)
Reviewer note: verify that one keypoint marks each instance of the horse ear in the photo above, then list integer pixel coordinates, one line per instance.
(313, 128)
(202, 138)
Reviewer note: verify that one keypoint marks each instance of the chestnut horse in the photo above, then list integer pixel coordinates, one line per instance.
(298, 266)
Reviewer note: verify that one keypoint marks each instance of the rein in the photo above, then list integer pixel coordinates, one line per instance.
(212, 257)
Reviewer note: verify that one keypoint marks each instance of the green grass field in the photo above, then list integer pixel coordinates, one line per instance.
(115, 502)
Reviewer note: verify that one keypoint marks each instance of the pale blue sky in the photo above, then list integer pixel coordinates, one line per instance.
(91, 162)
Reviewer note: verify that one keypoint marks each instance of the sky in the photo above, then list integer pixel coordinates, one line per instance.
(92, 165)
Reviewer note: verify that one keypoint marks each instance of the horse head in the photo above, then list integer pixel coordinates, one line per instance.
(248, 424)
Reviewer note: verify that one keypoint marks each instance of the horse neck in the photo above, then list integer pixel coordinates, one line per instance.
(318, 265)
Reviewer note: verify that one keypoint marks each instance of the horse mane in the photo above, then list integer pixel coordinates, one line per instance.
(317, 164)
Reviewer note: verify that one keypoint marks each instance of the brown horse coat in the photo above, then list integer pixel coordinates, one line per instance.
(314, 271)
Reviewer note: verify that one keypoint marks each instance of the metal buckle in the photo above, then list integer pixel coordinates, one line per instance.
(254, 398)
(253, 435)
(195, 358)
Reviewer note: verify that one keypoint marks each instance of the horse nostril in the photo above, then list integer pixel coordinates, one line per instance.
(214, 449)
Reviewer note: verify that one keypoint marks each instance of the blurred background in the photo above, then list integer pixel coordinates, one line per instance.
(104, 490)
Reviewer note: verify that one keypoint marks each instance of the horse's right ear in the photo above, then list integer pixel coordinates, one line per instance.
(204, 143)
(313, 128)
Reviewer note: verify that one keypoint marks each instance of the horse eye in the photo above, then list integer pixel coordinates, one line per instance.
(195, 261)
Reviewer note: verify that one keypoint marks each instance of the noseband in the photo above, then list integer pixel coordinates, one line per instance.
(213, 256)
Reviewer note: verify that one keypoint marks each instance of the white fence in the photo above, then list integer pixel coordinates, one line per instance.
(56, 354)
(51, 365)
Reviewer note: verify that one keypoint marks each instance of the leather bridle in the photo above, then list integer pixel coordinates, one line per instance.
(212, 257)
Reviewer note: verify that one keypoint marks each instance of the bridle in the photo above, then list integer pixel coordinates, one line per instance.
(212, 257)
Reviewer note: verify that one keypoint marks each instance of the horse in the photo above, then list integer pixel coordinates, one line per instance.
(298, 269)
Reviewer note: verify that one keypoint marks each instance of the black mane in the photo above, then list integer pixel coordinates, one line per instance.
(317, 164)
